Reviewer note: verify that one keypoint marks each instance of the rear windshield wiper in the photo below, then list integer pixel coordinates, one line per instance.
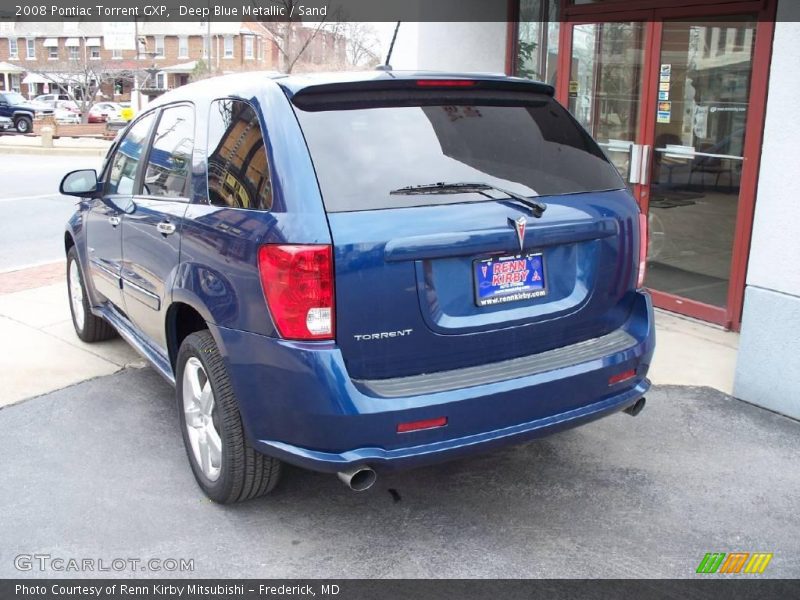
(536, 207)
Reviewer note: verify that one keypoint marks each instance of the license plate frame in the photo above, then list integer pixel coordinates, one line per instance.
(533, 286)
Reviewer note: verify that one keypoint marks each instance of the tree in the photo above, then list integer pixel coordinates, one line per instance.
(292, 37)
(361, 43)
(83, 80)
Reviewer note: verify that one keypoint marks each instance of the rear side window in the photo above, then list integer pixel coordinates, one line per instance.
(122, 174)
(532, 147)
(238, 173)
(170, 158)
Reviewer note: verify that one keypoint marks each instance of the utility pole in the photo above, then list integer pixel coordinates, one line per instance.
(136, 99)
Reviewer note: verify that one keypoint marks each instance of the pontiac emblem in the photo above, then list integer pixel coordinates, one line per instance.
(519, 225)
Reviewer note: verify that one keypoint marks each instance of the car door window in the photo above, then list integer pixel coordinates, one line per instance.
(169, 163)
(238, 172)
(122, 175)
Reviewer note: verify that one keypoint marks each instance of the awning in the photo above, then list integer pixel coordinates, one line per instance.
(93, 41)
(34, 78)
(9, 68)
(72, 42)
(187, 68)
(50, 43)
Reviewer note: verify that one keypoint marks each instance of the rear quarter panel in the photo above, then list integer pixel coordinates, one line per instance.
(218, 271)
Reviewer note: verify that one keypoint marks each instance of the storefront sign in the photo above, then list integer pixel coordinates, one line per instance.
(573, 89)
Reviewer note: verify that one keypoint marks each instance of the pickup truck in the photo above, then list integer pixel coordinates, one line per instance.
(14, 106)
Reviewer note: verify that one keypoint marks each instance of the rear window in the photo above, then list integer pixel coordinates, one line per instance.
(533, 147)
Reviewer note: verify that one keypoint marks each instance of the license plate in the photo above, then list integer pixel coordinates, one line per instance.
(509, 279)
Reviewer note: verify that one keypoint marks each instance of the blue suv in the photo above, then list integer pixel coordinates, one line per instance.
(357, 272)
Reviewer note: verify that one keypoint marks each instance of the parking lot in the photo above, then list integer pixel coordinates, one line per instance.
(98, 470)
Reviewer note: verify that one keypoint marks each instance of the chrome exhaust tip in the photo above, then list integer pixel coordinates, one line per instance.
(358, 479)
(635, 409)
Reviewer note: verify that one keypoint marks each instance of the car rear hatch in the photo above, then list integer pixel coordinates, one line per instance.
(442, 277)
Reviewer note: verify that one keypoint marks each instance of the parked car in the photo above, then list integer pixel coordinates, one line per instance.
(359, 272)
(69, 105)
(14, 106)
(111, 110)
(66, 116)
(96, 116)
(51, 100)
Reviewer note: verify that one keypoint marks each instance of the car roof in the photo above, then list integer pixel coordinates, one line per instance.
(294, 84)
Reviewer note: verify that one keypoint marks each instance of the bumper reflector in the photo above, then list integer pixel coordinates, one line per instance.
(418, 425)
(620, 377)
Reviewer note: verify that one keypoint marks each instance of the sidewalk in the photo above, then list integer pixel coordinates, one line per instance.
(45, 354)
(24, 144)
(42, 352)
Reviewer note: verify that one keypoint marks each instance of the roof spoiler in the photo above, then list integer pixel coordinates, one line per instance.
(315, 97)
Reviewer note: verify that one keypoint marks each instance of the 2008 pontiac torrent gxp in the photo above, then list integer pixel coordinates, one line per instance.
(358, 272)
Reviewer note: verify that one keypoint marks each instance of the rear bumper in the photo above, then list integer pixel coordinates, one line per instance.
(407, 457)
(299, 404)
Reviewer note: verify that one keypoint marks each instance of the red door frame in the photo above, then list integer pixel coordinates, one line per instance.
(653, 12)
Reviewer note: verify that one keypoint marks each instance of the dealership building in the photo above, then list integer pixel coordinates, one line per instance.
(697, 103)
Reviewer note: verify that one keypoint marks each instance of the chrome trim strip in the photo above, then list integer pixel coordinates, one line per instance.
(153, 301)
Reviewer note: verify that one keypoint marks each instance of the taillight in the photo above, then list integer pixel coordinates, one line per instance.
(298, 285)
(642, 249)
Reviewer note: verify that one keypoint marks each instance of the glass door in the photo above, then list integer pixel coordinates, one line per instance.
(701, 111)
(669, 101)
(606, 89)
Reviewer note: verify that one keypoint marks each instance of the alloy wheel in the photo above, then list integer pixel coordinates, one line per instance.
(76, 295)
(200, 416)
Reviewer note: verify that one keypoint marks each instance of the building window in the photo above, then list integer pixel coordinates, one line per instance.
(261, 49)
(228, 46)
(119, 87)
(13, 48)
(52, 53)
(14, 82)
(74, 52)
(183, 46)
(249, 46)
(116, 54)
(94, 52)
(161, 81)
(159, 46)
(537, 41)
(31, 47)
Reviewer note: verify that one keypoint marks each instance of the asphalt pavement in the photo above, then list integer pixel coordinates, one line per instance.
(32, 212)
(98, 471)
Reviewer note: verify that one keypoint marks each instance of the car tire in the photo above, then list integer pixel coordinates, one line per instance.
(225, 466)
(23, 124)
(88, 327)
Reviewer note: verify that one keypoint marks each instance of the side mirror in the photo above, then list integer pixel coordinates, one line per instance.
(79, 183)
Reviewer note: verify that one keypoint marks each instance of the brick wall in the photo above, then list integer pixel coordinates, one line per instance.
(126, 59)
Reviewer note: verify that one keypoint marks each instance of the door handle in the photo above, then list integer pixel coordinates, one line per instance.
(114, 221)
(644, 176)
(635, 164)
(165, 228)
